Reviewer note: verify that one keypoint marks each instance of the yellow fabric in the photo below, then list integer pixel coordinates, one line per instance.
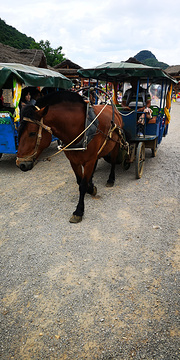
(168, 105)
(16, 98)
(115, 93)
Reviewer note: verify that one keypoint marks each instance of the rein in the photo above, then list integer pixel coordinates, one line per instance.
(65, 147)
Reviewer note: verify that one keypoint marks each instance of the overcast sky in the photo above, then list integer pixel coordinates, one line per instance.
(93, 32)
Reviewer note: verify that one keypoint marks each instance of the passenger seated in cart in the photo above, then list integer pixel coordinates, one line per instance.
(1, 99)
(143, 105)
(35, 94)
(25, 98)
(91, 95)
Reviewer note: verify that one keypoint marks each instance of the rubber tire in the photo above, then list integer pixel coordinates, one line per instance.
(125, 165)
(154, 149)
(140, 158)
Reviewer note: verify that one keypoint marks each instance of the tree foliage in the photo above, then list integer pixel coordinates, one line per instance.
(53, 56)
(12, 37)
(155, 63)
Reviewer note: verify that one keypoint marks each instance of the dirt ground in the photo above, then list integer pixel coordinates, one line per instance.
(106, 288)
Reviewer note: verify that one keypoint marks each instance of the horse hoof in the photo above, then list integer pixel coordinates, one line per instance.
(109, 184)
(94, 191)
(75, 219)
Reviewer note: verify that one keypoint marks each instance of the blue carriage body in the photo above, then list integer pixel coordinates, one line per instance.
(27, 76)
(9, 135)
(152, 131)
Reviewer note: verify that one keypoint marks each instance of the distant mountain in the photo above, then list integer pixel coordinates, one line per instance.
(147, 58)
(144, 54)
(12, 37)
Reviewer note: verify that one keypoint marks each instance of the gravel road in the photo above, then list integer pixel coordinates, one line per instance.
(106, 288)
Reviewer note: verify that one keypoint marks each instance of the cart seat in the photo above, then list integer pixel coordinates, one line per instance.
(155, 112)
(152, 120)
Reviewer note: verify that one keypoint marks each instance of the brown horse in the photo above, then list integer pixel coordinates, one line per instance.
(63, 114)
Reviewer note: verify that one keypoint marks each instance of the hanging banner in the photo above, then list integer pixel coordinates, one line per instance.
(16, 98)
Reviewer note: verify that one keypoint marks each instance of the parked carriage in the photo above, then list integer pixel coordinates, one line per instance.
(159, 85)
(12, 78)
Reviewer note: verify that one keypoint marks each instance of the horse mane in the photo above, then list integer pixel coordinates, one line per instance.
(27, 111)
(49, 99)
(60, 96)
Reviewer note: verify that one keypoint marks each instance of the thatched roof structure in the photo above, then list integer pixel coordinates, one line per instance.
(31, 57)
(67, 64)
(68, 69)
(174, 71)
(133, 60)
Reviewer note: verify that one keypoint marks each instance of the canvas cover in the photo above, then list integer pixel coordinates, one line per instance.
(31, 76)
(112, 71)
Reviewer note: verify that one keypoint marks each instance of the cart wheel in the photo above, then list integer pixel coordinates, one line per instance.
(154, 148)
(140, 158)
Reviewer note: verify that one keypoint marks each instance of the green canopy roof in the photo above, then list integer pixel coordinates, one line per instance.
(31, 76)
(121, 71)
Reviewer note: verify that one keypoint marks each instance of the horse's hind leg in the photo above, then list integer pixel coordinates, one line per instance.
(92, 189)
(114, 155)
(111, 178)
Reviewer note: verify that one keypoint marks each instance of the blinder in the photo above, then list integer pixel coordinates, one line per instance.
(39, 137)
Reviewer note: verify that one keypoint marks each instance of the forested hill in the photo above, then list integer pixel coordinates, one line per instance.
(147, 58)
(12, 37)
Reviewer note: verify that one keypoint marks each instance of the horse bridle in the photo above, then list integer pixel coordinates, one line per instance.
(39, 137)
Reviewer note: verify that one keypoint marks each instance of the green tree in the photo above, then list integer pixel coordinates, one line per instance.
(155, 63)
(12, 37)
(53, 56)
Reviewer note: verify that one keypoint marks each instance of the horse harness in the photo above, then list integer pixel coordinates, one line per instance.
(39, 136)
(41, 125)
(122, 142)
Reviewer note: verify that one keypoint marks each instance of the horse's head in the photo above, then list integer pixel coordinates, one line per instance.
(33, 138)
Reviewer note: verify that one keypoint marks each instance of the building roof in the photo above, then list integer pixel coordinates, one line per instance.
(31, 57)
(67, 64)
(68, 69)
(173, 70)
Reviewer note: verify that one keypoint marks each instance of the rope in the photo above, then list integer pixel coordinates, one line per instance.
(126, 114)
(109, 135)
(65, 147)
(34, 57)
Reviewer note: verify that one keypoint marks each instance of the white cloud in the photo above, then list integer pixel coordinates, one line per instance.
(94, 32)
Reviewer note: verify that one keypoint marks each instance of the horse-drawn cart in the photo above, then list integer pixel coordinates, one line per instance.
(149, 80)
(95, 131)
(12, 78)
